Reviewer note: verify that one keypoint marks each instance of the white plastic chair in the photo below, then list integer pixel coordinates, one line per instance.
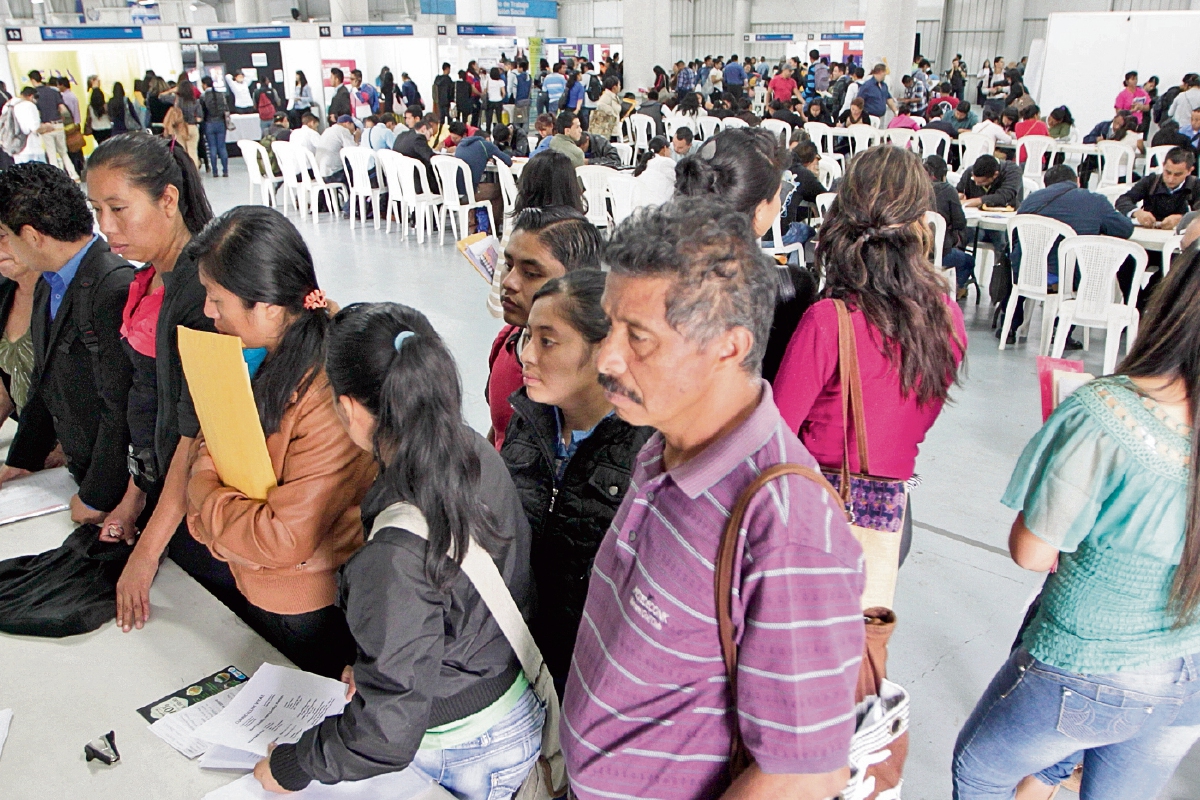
(449, 169)
(902, 137)
(1097, 302)
(828, 171)
(258, 167)
(1035, 148)
(595, 192)
(508, 190)
(1038, 235)
(1171, 247)
(777, 247)
(1111, 193)
(934, 143)
(735, 122)
(387, 164)
(290, 166)
(876, 122)
(710, 127)
(625, 134)
(861, 137)
(824, 201)
(938, 223)
(1116, 162)
(779, 128)
(972, 146)
(357, 161)
(1155, 156)
(643, 131)
(1031, 184)
(316, 187)
(417, 197)
(621, 188)
(625, 151)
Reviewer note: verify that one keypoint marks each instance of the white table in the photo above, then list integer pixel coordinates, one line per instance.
(245, 126)
(66, 692)
(1149, 238)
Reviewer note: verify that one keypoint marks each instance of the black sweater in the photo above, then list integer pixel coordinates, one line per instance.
(425, 657)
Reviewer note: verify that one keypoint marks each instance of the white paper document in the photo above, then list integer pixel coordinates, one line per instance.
(221, 757)
(5, 721)
(178, 729)
(405, 785)
(277, 705)
(35, 495)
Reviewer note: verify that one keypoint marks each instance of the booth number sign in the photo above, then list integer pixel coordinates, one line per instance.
(185, 32)
(12, 34)
(325, 32)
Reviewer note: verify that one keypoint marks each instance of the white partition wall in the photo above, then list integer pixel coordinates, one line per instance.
(1087, 56)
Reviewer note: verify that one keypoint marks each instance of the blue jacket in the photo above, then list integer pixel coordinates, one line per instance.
(1086, 212)
(734, 74)
(477, 151)
(875, 95)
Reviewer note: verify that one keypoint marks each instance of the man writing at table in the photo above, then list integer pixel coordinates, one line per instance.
(1164, 197)
(995, 184)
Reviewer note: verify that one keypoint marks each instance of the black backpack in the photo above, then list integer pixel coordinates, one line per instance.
(594, 89)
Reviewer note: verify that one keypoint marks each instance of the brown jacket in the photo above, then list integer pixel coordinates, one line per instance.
(284, 552)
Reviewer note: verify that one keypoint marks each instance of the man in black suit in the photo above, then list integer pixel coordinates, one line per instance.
(414, 143)
(81, 376)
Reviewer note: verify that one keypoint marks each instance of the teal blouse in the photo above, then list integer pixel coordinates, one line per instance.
(1106, 482)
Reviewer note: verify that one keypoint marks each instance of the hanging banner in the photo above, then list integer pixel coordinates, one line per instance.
(238, 34)
(89, 32)
(545, 9)
(377, 30)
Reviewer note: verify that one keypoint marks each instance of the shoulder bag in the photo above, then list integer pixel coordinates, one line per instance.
(880, 742)
(548, 778)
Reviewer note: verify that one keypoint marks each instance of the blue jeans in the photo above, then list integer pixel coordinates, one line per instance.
(962, 262)
(1131, 729)
(214, 138)
(493, 766)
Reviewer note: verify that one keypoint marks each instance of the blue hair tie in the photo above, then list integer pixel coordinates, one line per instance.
(400, 337)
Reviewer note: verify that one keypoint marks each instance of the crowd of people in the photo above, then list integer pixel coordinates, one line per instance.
(641, 383)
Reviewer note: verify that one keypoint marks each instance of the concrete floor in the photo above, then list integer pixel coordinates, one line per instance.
(960, 597)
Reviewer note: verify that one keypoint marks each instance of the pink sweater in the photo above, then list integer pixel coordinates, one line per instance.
(808, 393)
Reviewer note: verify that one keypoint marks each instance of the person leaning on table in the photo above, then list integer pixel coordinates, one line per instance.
(1164, 197)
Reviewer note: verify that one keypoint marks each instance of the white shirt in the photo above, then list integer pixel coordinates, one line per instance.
(329, 149)
(656, 185)
(994, 132)
(240, 92)
(496, 90)
(586, 80)
(1181, 107)
(28, 120)
(306, 137)
(851, 93)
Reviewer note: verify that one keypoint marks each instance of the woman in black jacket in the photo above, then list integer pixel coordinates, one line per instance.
(569, 454)
(435, 683)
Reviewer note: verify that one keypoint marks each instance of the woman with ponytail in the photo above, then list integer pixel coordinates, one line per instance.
(743, 168)
(435, 684)
(1108, 669)
(284, 551)
(149, 203)
(874, 251)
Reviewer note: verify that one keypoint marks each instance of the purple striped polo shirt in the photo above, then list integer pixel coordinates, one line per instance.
(646, 712)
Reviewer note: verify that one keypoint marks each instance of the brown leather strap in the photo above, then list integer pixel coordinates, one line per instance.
(853, 411)
(739, 757)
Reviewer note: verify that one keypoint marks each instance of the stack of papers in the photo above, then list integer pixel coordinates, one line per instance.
(408, 784)
(36, 495)
(483, 251)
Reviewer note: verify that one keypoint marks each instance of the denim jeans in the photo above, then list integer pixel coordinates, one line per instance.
(493, 766)
(1130, 728)
(214, 138)
(962, 262)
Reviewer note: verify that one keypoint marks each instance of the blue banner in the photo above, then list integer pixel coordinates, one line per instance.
(547, 9)
(377, 30)
(840, 37)
(559, 40)
(238, 34)
(448, 7)
(487, 30)
(89, 32)
(773, 37)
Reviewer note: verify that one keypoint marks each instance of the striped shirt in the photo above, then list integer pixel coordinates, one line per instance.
(646, 712)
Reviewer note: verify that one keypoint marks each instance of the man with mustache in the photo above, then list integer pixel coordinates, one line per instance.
(546, 243)
(647, 709)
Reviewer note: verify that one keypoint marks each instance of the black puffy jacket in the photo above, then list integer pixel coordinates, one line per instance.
(568, 518)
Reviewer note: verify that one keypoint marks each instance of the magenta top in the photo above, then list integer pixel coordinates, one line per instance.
(808, 393)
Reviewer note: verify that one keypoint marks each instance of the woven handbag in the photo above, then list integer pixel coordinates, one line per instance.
(875, 505)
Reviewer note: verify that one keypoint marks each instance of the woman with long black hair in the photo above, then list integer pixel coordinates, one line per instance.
(98, 124)
(121, 112)
(1107, 502)
(149, 202)
(284, 551)
(435, 684)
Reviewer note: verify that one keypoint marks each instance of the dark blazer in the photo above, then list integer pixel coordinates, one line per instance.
(414, 145)
(946, 203)
(340, 104)
(1160, 201)
(568, 517)
(80, 397)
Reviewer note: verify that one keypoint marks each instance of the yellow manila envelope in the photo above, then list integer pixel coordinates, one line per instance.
(220, 385)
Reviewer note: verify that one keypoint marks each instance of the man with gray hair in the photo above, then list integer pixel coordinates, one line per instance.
(647, 710)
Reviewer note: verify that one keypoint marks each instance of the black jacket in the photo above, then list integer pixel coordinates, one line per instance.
(600, 152)
(340, 104)
(425, 657)
(414, 145)
(443, 92)
(1006, 189)
(1160, 201)
(569, 521)
(946, 203)
(81, 381)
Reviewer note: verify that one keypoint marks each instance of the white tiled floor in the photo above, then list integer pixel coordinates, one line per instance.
(960, 598)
